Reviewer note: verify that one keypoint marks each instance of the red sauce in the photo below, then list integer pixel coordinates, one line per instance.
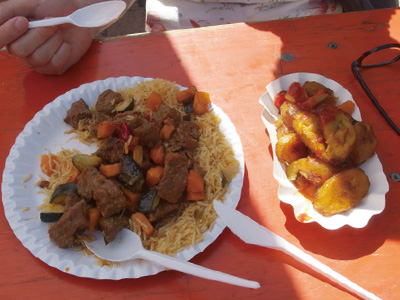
(303, 217)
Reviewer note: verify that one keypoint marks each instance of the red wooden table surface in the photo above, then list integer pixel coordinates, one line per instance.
(234, 63)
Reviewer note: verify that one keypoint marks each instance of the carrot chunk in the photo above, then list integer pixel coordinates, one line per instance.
(105, 129)
(144, 223)
(72, 170)
(154, 175)
(187, 94)
(195, 182)
(347, 107)
(48, 164)
(132, 198)
(111, 170)
(201, 103)
(157, 154)
(94, 216)
(166, 131)
(195, 196)
(154, 101)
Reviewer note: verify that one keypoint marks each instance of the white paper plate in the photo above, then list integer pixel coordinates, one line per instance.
(20, 200)
(372, 204)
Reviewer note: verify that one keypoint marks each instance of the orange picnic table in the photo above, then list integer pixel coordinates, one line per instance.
(234, 63)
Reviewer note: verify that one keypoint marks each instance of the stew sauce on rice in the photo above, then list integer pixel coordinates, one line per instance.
(161, 161)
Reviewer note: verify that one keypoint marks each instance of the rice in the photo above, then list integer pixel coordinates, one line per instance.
(215, 156)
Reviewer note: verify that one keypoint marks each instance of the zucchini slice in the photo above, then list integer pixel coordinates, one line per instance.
(148, 201)
(131, 173)
(127, 104)
(82, 161)
(61, 192)
(51, 213)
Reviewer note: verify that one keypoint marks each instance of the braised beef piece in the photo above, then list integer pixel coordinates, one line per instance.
(165, 112)
(147, 163)
(71, 200)
(105, 105)
(190, 134)
(111, 226)
(162, 210)
(148, 133)
(93, 128)
(112, 150)
(72, 222)
(79, 110)
(185, 138)
(167, 218)
(109, 199)
(132, 118)
(89, 179)
(174, 180)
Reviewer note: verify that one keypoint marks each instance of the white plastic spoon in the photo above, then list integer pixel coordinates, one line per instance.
(94, 15)
(128, 246)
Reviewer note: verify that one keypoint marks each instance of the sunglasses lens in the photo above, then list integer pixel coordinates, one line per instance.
(381, 57)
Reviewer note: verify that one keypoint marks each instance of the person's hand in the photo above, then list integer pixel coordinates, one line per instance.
(48, 50)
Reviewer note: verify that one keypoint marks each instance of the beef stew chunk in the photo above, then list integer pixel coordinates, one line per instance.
(109, 199)
(105, 105)
(148, 133)
(88, 181)
(111, 226)
(79, 110)
(174, 180)
(165, 112)
(112, 150)
(74, 221)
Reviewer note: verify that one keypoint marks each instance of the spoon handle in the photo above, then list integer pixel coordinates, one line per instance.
(319, 267)
(49, 22)
(196, 270)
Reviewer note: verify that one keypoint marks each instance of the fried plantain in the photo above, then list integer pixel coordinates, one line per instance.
(339, 133)
(305, 187)
(313, 87)
(311, 168)
(290, 148)
(341, 192)
(281, 128)
(365, 144)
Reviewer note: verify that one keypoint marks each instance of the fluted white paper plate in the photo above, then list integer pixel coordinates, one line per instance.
(46, 132)
(372, 204)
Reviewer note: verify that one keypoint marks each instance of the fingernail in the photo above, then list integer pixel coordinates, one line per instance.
(21, 24)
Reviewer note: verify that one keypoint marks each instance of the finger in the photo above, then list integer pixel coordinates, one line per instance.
(12, 30)
(11, 9)
(59, 63)
(31, 40)
(43, 55)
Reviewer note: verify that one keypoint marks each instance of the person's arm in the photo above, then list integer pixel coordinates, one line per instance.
(48, 50)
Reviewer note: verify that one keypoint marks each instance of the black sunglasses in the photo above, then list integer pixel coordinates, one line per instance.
(360, 63)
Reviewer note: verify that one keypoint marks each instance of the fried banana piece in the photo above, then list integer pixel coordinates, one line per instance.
(281, 128)
(311, 168)
(341, 192)
(339, 133)
(305, 187)
(313, 88)
(290, 148)
(365, 144)
(306, 125)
